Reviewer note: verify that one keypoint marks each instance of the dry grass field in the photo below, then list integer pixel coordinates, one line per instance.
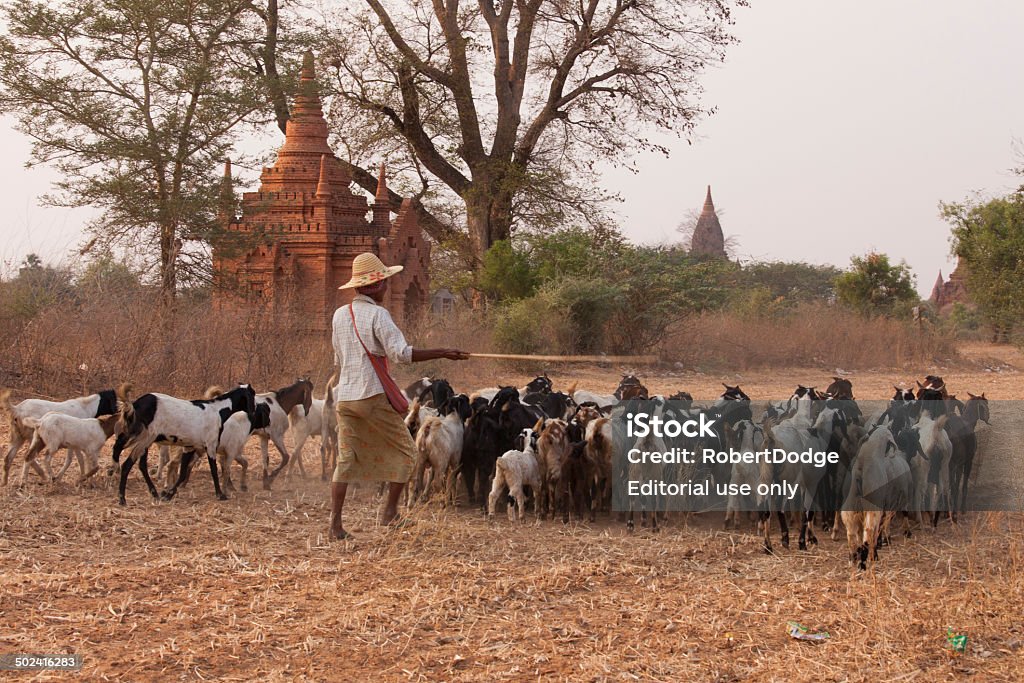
(249, 589)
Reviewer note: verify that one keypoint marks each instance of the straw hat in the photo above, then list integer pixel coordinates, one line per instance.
(368, 269)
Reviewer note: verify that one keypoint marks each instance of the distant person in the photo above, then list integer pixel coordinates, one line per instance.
(373, 441)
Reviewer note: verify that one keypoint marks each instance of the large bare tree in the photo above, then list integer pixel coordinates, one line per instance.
(509, 104)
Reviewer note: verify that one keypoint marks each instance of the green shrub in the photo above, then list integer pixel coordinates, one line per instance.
(522, 327)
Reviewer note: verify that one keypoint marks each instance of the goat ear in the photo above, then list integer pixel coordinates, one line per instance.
(983, 395)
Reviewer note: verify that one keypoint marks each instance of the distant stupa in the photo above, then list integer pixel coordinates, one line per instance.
(708, 239)
(946, 293)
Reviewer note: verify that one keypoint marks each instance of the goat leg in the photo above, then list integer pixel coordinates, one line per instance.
(16, 442)
(243, 485)
(213, 473)
(765, 519)
(94, 466)
(126, 468)
(144, 467)
(115, 452)
(811, 538)
(268, 480)
(184, 468)
(30, 460)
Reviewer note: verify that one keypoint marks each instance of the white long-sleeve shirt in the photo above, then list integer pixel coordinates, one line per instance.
(357, 379)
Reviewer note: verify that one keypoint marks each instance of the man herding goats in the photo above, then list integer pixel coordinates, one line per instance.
(373, 441)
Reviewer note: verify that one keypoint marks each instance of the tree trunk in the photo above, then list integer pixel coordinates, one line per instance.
(168, 295)
(478, 221)
(489, 219)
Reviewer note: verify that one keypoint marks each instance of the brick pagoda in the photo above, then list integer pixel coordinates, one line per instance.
(708, 239)
(305, 225)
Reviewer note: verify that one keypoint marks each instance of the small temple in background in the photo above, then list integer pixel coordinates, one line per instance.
(304, 226)
(708, 239)
(946, 293)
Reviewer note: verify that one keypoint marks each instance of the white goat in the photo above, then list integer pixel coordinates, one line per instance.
(514, 470)
(750, 439)
(930, 467)
(488, 393)
(93, 405)
(603, 401)
(233, 437)
(79, 435)
(329, 431)
(439, 445)
(417, 415)
(880, 485)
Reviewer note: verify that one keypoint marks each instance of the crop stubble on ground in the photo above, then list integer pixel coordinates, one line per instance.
(249, 589)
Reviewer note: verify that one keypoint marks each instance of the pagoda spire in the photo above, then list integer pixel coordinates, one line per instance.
(709, 206)
(227, 194)
(323, 188)
(382, 200)
(936, 295)
(382, 196)
(708, 239)
(306, 130)
(308, 68)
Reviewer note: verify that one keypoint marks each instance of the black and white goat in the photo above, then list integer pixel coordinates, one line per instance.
(93, 405)
(281, 403)
(196, 424)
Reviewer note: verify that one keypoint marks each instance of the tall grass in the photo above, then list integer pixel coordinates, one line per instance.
(812, 334)
(100, 341)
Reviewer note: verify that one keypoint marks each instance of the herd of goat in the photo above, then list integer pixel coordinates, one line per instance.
(504, 443)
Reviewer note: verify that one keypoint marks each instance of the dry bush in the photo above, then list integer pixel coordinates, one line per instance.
(812, 334)
(99, 342)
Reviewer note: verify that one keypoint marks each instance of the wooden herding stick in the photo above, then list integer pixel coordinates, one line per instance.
(637, 360)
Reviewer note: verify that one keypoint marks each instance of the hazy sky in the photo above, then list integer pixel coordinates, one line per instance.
(840, 126)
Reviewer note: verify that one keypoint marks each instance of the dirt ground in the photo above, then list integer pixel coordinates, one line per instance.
(249, 588)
